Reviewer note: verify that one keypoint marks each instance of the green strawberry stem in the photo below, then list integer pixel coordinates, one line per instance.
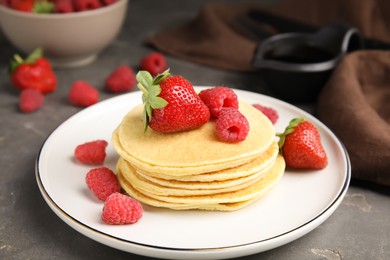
(43, 7)
(289, 129)
(150, 88)
(18, 60)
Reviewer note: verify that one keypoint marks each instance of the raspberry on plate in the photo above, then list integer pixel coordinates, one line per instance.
(102, 182)
(122, 79)
(83, 94)
(92, 153)
(31, 100)
(231, 125)
(154, 62)
(269, 112)
(218, 97)
(121, 209)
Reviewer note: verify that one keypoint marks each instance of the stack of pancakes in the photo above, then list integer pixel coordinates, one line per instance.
(195, 170)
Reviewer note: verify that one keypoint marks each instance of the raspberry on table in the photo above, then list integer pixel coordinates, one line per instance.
(154, 62)
(121, 209)
(31, 100)
(83, 94)
(231, 125)
(102, 182)
(92, 153)
(269, 112)
(218, 97)
(122, 79)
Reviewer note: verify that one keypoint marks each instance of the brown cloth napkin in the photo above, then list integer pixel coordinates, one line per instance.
(214, 38)
(355, 104)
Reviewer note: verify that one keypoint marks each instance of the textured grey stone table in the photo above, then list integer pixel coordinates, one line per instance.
(359, 229)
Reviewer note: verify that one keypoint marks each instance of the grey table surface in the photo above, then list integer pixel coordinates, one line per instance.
(358, 229)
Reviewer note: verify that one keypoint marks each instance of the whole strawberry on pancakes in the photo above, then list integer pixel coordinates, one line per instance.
(171, 103)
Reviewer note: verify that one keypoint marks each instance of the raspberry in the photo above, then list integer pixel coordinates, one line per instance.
(92, 153)
(108, 2)
(122, 79)
(64, 6)
(102, 182)
(121, 209)
(231, 125)
(31, 100)
(83, 94)
(155, 63)
(269, 112)
(84, 5)
(218, 97)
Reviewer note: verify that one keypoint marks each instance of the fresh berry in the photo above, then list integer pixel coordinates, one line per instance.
(22, 5)
(231, 125)
(102, 182)
(269, 112)
(35, 72)
(122, 79)
(301, 145)
(218, 97)
(93, 152)
(108, 2)
(85, 5)
(154, 62)
(171, 103)
(83, 94)
(121, 209)
(64, 6)
(31, 100)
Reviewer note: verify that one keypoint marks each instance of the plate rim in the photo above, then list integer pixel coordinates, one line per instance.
(290, 234)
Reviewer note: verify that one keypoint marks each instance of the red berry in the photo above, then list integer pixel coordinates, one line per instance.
(84, 5)
(301, 145)
(102, 182)
(122, 79)
(34, 72)
(83, 94)
(93, 152)
(231, 125)
(120, 209)
(31, 100)
(155, 63)
(22, 5)
(218, 97)
(269, 112)
(108, 2)
(64, 6)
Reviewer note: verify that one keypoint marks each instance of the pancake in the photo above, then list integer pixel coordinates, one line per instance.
(214, 201)
(258, 164)
(146, 186)
(190, 152)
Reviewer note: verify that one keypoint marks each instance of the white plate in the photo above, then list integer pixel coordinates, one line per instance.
(298, 204)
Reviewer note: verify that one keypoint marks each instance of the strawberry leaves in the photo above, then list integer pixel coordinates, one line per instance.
(18, 60)
(150, 90)
(289, 129)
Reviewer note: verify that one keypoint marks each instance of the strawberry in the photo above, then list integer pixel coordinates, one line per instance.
(22, 5)
(32, 6)
(301, 145)
(35, 72)
(171, 103)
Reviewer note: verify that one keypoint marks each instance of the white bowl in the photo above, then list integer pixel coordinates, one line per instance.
(68, 40)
